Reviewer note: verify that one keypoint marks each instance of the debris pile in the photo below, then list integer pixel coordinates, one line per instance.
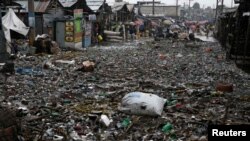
(44, 44)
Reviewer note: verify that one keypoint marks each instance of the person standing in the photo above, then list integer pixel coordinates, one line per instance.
(132, 31)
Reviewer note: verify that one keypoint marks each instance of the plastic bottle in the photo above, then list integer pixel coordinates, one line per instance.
(167, 128)
(126, 122)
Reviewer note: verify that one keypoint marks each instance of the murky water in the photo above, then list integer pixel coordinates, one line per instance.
(122, 45)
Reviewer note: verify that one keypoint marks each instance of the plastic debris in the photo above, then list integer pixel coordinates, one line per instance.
(126, 122)
(72, 62)
(142, 104)
(167, 128)
(60, 102)
(88, 66)
(105, 120)
(224, 87)
(57, 138)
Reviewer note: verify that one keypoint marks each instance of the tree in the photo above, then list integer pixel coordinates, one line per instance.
(209, 8)
(196, 5)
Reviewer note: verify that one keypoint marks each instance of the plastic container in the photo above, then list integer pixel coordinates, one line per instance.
(167, 128)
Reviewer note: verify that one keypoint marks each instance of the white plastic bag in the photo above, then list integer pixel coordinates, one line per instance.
(105, 120)
(139, 103)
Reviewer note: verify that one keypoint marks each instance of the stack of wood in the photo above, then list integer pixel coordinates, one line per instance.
(113, 36)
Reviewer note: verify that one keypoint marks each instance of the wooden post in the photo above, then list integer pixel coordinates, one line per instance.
(247, 43)
(32, 24)
(176, 8)
(124, 32)
(222, 5)
(216, 12)
(153, 12)
(189, 9)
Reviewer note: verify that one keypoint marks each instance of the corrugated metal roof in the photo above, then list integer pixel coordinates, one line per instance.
(25, 5)
(229, 10)
(130, 7)
(94, 5)
(42, 6)
(157, 4)
(118, 6)
(67, 3)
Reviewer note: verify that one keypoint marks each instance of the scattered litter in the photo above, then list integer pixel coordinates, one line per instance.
(87, 66)
(179, 55)
(105, 120)
(179, 92)
(72, 62)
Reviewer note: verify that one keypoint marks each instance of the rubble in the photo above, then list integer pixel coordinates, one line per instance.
(64, 104)
(88, 66)
(44, 44)
(223, 87)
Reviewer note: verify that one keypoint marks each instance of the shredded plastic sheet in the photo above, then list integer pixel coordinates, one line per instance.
(11, 22)
(139, 103)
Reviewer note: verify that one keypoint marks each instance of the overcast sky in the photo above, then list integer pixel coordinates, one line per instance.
(205, 3)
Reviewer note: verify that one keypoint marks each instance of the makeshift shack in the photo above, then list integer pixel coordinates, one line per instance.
(68, 30)
(45, 13)
(101, 9)
(120, 12)
(131, 15)
(100, 13)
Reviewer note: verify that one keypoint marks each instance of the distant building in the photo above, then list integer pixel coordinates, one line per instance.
(160, 9)
(118, 0)
(147, 2)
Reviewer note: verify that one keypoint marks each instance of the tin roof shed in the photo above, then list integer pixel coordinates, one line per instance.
(94, 5)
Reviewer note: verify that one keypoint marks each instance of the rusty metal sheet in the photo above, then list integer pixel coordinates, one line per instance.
(42, 6)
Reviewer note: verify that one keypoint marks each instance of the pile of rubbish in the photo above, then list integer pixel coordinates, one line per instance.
(44, 44)
(153, 91)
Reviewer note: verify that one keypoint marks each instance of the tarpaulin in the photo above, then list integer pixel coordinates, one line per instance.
(154, 23)
(196, 22)
(174, 26)
(11, 22)
(138, 22)
(167, 22)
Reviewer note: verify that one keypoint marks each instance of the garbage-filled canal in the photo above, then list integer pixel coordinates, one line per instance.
(61, 98)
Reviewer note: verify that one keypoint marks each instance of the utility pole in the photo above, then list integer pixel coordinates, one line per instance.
(222, 5)
(218, 2)
(176, 8)
(103, 9)
(32, 24)
(189, 8)
(153, 7)
(216, 12)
